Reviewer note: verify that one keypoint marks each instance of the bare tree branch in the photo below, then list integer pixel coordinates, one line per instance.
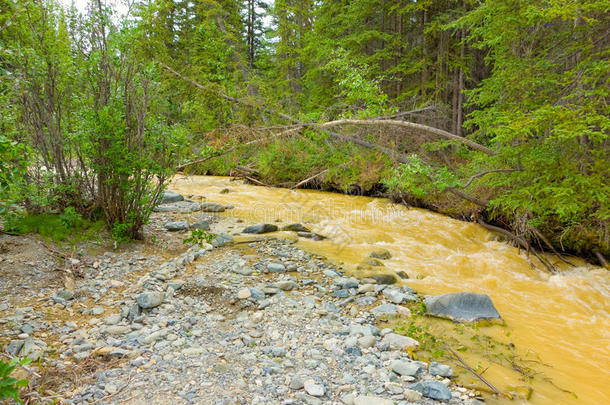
(413, 126)
(478, 175)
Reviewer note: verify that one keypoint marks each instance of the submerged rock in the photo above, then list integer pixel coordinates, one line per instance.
(382, 254)
(260, 228)
(295, 228)
(462, 307)
(384, 278)
(212, 207)
(311, 235)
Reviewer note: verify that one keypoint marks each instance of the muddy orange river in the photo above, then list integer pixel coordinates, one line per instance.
(558, 323)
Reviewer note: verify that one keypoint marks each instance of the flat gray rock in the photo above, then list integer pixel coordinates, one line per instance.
(462, 307)
(260, 228)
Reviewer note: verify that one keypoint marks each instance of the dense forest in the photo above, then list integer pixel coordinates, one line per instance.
(494, 111)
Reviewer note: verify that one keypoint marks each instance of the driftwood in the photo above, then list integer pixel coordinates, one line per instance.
(522, 242)
(601, 258)
(467, 367)
(307, 180)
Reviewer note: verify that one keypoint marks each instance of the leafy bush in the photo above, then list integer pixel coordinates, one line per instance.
(9, 386)
(63, 227)
(200, 236)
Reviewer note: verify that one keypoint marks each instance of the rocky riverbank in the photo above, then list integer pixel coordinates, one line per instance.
(260, 322)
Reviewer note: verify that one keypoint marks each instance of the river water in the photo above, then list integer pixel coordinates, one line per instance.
(558, 324)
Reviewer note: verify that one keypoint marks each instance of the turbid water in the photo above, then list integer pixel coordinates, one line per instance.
(558, 324)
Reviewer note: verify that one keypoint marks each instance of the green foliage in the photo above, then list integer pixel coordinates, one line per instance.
(68, 226)
(420, 179)
(199, 237)
(10, 387)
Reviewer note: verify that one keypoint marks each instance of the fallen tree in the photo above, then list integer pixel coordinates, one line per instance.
(431, 133)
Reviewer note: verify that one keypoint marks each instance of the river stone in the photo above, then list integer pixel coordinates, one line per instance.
(405, 367)
(462, 307)
(244, 293)
(296, 382)
(113, 319)
(385, 310)
(367, 341)
(373, 262)
(176, 226)
(432, 389)
(260, 228)
(150, 299)
(394, 295)
(286, 285)
(372, 400)
(14, 347)
(442, 370)
(382, 254)
(65, 294)
(313, 388)
(212, 207)
(311, 235)
(170, 197)
(384, 278)
(295, 228)
(399, 342)
(205, 225)
(402, 274)
(411, 395)
(242, 268)
(276, 268)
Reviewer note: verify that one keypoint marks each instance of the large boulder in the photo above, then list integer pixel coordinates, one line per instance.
(462, 307)
(170, 197)
(260, 228)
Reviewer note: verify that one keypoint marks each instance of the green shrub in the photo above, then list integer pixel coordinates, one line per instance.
(10, 387)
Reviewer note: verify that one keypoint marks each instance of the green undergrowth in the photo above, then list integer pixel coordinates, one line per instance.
(68, 227)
